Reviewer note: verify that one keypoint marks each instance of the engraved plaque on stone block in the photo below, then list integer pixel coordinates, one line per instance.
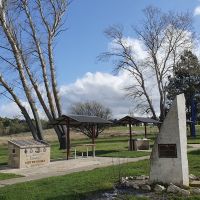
(167, 151)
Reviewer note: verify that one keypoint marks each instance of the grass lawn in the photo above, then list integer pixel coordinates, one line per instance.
(108, 147)
(73, 186)
(4, 176)
(82, 185)
(105, 147)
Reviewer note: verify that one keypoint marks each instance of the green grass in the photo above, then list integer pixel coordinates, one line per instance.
(73, 186)
(4, 176)
(194, 162)
(108, 147)
(83, 185)
(105, 147)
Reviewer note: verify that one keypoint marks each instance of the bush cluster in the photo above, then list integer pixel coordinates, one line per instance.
(13, 126)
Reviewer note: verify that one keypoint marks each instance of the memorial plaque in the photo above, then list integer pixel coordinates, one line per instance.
(28, 153)
(167, 151)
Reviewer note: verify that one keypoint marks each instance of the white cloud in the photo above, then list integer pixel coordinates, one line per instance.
(137, 47)
(11, 110)
(105, 88)
(102, 87)
(197, 11)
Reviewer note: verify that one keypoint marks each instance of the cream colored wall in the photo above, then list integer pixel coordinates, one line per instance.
(36, 156)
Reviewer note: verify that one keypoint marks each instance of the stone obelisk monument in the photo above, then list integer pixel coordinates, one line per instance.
(169, 163)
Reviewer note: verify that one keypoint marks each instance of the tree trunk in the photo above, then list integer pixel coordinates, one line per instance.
(13, 43)
(22, 108)
(60, 131)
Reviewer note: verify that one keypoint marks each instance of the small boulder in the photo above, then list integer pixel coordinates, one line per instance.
(195, 190)
(159, 188)
(184, 192)
(192, 177)
(131, 178)
(123, 180)
(175, 189)
(146, 187)
(127, 184)
(142, 177)
(134, 186)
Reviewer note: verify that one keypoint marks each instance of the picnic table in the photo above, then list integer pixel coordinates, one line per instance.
(87, 147)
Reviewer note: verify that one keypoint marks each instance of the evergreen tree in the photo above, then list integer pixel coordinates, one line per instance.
(186, 79)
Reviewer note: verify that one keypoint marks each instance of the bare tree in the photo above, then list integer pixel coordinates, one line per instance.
(28, 32)
(162, 37)
(91, 108)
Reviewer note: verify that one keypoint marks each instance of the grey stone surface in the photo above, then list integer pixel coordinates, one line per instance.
(142, 177)
(192, 177)
(173, 131)
(159, 188)
(135, 186)
(177, 190)
(195, 183)
(146, 187)
(195, 191)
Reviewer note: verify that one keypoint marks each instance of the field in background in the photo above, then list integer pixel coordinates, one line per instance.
(113, 142)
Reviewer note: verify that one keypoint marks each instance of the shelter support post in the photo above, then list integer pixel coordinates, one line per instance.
(145, 130)
(68, 140)
(93, 137)
(130, 139)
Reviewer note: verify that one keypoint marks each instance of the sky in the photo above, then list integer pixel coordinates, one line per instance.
(80, 75)
(78, 47)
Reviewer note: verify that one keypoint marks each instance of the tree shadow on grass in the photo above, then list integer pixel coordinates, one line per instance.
(195, 152)
(78, 196)
(99, 152)
(103, 152)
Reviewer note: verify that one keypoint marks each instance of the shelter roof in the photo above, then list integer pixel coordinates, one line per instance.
(79, 119)
(134, 120)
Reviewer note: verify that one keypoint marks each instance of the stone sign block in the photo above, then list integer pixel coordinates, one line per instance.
(140, 144)
(168, 162)
(28, 153)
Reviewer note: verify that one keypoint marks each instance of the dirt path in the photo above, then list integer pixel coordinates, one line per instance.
(59, 168)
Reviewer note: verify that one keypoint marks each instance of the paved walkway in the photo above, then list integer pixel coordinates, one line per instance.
(193, 147)
(59, 168)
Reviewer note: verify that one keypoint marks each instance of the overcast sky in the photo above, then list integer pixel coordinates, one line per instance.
(80, 76)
